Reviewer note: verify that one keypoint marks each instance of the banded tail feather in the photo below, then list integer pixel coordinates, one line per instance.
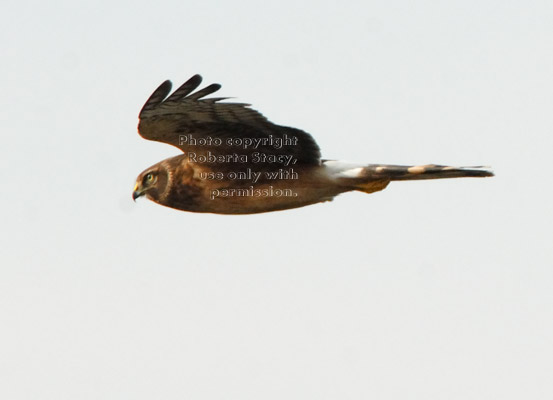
(375, 177)
(419, 172)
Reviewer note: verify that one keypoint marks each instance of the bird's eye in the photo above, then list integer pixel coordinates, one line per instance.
(149, 178)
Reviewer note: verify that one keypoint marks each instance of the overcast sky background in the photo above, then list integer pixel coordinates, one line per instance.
(427, 290)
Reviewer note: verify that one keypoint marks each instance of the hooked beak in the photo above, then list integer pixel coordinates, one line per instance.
(136, 192)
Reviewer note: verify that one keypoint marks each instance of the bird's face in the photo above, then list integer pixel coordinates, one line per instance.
(151, 183)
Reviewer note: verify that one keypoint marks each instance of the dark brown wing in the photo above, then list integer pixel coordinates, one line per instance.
(193, 124)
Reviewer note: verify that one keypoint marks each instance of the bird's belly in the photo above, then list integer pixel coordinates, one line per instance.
(310, 186)
(267, 197)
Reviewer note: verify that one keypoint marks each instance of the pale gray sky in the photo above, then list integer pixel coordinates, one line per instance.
(428, 290)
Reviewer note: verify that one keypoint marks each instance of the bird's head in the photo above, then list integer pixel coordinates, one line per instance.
(152, 183)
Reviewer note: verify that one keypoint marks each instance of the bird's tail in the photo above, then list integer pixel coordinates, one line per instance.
(418, 172)
(374, 177)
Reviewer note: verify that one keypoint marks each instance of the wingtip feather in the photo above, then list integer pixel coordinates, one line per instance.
(157, 96)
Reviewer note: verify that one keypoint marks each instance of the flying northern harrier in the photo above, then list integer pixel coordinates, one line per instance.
(235, 161)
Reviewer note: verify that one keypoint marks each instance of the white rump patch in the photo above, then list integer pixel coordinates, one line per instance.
(344, 169)
(352, 173)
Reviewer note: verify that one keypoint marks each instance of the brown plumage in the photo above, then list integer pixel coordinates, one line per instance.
(235, 161)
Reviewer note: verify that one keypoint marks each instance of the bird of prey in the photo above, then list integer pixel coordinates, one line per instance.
(235, 161)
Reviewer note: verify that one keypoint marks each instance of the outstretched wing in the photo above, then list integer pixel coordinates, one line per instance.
(192, 123)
